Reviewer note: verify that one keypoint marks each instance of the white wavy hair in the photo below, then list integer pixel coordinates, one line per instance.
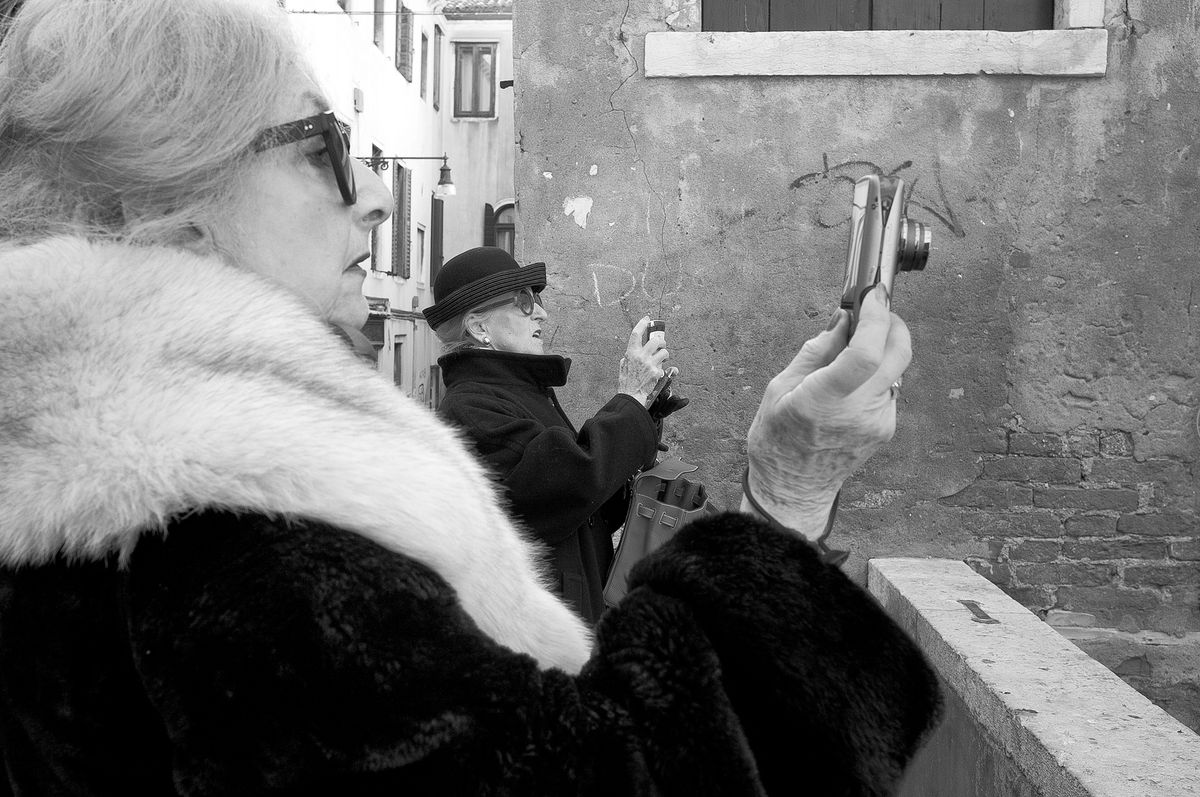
(132, 119)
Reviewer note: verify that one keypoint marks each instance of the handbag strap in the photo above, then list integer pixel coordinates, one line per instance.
(668, 470)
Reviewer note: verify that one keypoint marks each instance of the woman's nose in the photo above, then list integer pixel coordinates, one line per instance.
(539, 312)
(375, 201)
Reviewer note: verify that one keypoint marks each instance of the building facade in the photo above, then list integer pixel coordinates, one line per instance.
(694, 160)
(420, 84)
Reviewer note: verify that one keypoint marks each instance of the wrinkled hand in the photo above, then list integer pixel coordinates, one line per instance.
(825, 414)
(642, 366)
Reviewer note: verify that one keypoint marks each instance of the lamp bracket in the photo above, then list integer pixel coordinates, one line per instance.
(382, 162)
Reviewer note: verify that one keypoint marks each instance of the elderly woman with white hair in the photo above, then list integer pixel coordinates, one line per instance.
(219, 576)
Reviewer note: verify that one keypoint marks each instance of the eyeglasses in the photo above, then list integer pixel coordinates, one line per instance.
(336, 134)
(525, 299)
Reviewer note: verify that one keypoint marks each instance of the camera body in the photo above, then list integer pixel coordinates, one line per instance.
(664, 384)
(655, 325)
(883, 240)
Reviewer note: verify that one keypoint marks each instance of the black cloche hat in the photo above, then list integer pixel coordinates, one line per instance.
(469, 279)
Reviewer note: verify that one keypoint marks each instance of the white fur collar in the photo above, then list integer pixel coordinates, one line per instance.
(139, 383)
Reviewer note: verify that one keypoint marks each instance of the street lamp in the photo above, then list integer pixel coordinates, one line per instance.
(445, 186)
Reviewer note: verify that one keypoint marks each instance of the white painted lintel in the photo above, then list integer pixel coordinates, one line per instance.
(1079, 13)
(1065, 53)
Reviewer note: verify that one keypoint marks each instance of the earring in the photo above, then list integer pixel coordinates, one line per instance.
(487, 341)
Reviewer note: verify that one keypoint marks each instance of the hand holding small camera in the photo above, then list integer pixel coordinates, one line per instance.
(643, 366)
(826, 413)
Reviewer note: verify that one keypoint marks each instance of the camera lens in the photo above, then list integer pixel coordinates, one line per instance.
(913, 248)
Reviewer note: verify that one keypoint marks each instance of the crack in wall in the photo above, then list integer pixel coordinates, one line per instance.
(638, 158)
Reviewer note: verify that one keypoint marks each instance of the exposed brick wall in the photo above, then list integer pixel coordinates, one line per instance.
(1097, 530)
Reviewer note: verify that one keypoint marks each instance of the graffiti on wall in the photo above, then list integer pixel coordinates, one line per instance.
(828, 192)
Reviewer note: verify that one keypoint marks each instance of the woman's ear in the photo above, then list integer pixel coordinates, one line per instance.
(475, 327)
(197, 239)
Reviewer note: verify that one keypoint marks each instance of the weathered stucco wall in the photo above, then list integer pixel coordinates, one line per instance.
(1048, 425)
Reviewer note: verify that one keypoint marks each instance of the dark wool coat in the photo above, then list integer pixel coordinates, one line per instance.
(568, 487)
(234, 561)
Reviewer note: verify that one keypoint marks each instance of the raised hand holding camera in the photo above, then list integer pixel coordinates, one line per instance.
(663, 387)
(643, 368)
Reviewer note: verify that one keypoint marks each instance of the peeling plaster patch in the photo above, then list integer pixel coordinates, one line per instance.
(956, 393)
(548, 175)
(594, 170)
(681, 14)
(877, 500)
(579, 207)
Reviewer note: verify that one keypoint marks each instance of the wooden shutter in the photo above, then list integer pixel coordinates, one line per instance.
(1018, 15)
(401, 246)
(762, 15)
(489, 225)
(733, 15)
(820, 15)
(435, 238)
(907, 15)
(963, 15)
(404, 42)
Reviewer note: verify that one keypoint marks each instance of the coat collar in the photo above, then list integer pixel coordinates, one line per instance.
(504, 368)
(137, 384)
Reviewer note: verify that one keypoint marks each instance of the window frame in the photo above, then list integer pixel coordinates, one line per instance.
(1076, 47)
(490, 113)
(424, 63)
(378, 15)
(438, 37)
(505, 229)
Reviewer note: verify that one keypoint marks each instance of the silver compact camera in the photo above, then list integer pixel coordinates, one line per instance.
(883, 240)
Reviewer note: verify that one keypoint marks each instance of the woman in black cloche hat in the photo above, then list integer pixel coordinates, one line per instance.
(567, 485)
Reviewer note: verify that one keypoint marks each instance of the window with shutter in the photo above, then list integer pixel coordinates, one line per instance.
(402, 191)
(489, 225)
(377, 161)
(709, 38)
(435, 238)
(419, 253)
(377, 20)
(437, 67)
(506, 228)
(424, 62)
(474, 79)
(404, 42)
(768, 15)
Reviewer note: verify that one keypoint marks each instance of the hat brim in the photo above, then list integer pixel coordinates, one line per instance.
(479, 291)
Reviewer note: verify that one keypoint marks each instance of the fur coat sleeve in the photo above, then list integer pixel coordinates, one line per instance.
(296, 658)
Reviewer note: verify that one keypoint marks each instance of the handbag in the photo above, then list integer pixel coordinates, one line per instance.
(661, 501)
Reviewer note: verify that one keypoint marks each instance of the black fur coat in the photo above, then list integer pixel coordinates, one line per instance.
(237, 562)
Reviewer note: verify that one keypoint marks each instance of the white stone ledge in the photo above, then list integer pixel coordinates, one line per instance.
(1069, 724)
(1068, 53)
